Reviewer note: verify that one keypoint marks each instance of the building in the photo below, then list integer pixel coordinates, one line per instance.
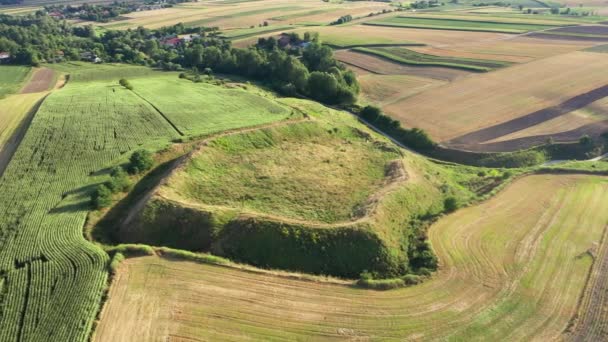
(171, 42)
(5, 57)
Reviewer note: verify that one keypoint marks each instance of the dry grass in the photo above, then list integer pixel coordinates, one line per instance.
(481, 101)
(382, 90)
(512, 268)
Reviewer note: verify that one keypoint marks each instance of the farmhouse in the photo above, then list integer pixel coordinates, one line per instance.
(4, 57)
(171, 42)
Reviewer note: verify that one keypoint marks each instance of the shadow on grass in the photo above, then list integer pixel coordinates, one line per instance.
(107, 228)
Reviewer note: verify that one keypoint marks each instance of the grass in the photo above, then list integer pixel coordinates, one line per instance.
(201, 109)
(409, 57)
(598, 48)
(12, 78)
(301, 172)
(324, 196)
(459, 24)
(512, 268)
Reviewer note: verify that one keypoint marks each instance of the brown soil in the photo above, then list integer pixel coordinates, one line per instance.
(42, 80)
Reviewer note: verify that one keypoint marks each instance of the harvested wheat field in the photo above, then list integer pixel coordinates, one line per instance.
(477, 109)
(381, 66)
(512, 268)
(381, 90)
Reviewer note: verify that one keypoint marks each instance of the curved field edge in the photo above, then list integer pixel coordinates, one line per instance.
(515, 274)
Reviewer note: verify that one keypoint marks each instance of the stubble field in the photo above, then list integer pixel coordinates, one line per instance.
(504, 275)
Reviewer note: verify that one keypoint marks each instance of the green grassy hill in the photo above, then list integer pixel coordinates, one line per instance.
(324, 196)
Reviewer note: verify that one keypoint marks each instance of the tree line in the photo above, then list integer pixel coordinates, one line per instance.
(304, 67)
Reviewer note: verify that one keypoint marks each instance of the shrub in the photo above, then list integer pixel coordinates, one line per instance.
(140, 161)
(125, 83)
(381, 284)
(120, 180)
(585, 140)
(116, 260)
(411, 279)
(131, 250)
(102, 197)
(450, 204)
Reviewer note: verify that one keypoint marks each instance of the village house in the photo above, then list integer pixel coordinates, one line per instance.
(5, 57)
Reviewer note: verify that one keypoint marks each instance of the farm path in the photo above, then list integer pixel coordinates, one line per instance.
(41, 80)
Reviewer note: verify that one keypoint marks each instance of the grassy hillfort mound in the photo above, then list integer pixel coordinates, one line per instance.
(324, 196)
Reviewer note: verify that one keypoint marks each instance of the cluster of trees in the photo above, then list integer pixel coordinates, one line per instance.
(311, 71)
(414, 138)
(99, 13)
(425, 4)
(140, 161)
(343, 19)
(304, 66)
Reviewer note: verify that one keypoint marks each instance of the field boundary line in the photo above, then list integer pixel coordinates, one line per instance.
(159, 112)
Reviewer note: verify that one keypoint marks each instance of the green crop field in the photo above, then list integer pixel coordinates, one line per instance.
(409, 57)
(51, 279)
(437, 23)
(199, 108)
(12, 78)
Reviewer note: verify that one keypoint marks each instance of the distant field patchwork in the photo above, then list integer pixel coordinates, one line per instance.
(459, 24)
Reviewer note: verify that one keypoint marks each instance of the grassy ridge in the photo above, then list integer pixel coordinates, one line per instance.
(409, 57)
(458, 24)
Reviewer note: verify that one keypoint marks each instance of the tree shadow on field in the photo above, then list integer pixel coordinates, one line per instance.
(72, 208)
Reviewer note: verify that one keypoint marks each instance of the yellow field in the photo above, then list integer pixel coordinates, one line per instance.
(382, 90)
(512, 268)
(481, 101)
(13, 110)
(245, 14)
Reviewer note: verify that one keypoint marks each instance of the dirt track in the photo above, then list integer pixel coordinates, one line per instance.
(42, 80)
